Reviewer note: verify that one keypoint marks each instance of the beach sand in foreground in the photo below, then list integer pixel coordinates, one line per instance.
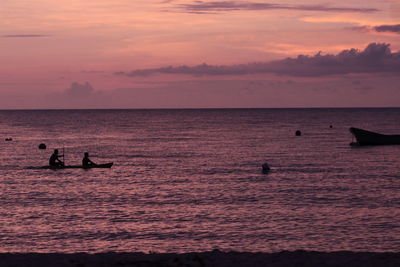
(212, 258)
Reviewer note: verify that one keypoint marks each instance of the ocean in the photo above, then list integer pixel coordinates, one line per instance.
(191, 180)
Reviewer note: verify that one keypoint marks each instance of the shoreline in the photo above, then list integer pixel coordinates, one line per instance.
(210, 258)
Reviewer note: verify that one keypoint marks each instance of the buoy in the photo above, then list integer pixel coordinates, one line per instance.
(42, 146)
(265, 168)
(298, 133)
(330, 126)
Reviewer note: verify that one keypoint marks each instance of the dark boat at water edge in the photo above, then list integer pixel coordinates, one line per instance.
(104, 165)
(367, 138)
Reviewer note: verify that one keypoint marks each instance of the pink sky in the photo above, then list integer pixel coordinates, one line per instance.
(93, 54)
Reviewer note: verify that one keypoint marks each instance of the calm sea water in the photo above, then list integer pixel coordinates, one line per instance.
(191, 180)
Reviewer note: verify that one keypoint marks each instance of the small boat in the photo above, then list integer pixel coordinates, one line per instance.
(367, 138)
(104, 165)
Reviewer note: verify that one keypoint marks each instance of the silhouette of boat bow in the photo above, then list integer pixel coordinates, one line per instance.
(367, 138)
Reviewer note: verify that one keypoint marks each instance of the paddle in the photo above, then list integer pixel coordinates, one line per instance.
(63, 155)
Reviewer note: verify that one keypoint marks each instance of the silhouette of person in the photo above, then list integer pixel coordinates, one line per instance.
(86, 161)
(55, 159)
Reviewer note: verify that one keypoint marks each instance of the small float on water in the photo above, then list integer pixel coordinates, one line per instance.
(42, 146)
(367, 138)
(265, 168)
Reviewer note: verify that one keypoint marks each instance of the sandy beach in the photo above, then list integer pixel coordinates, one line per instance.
(212, 258)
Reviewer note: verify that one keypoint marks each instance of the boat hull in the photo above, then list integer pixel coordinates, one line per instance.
(367, 138)
(105, 165)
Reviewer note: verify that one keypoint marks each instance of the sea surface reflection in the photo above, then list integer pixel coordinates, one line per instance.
(191, 180)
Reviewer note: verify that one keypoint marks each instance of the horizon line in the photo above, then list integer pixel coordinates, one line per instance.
(204, 108)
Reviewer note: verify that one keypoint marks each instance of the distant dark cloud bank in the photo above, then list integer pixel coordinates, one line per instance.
(388, 28)
(24, 35)
(225, 6)
(375, 58)
(382, 28)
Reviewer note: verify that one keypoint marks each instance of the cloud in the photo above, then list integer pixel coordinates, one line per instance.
(224, 6)
(360, 28)
(388, 28)
(25, 35)
(79, 90)
(375, 58)
(381, 28)
(78, 96)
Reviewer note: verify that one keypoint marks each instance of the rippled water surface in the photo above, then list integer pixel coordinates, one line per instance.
(191, 180)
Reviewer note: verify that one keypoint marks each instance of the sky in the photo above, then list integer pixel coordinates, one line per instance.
(199, 54)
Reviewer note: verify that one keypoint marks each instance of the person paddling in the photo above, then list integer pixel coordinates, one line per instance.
(54, 160)
(86, 162)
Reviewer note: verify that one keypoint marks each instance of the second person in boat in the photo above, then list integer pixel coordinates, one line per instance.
(86, 162)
